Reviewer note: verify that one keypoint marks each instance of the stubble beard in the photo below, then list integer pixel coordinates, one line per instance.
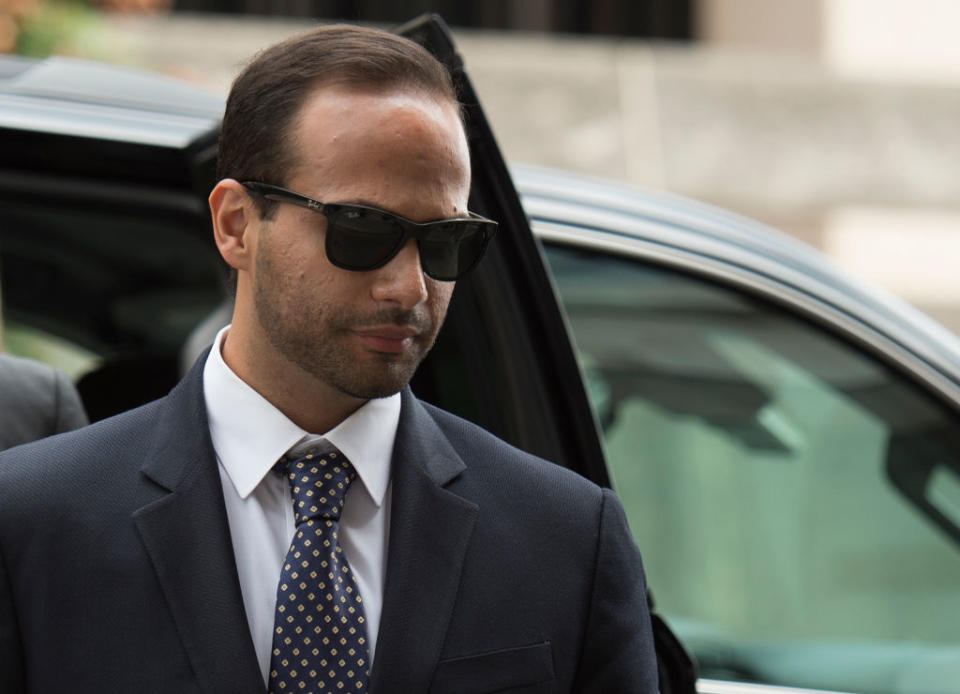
(315, 338)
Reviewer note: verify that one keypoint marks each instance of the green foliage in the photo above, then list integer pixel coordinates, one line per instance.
(56, 27)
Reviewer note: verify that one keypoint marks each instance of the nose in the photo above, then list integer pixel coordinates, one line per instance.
(401, 281)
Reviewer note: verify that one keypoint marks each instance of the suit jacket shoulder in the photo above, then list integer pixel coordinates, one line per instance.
(115, 554)
(36, 400)
(76, 458)
(109, 468)
(503, 472)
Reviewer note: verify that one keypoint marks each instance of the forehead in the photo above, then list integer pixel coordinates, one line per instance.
(403, 151)
(337, 121)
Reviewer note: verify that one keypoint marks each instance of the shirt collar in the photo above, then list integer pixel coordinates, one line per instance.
(249, 434)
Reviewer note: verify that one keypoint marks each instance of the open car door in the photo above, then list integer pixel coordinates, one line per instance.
(505, 358)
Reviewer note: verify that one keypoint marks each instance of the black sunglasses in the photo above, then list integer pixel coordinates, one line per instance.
(365, 238)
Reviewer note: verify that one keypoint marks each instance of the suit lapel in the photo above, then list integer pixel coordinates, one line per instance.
(430, 529)
(187, 538)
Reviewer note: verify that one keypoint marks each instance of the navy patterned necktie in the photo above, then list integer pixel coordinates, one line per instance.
(319, 636)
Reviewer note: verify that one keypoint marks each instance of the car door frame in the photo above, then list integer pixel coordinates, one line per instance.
(540, 388)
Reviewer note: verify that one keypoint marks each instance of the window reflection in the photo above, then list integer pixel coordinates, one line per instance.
(776, 479)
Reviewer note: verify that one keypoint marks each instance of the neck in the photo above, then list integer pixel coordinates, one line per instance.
(306, 401)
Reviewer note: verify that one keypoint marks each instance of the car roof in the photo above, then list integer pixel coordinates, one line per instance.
(65, 115)
(663, 225)
(87, 98)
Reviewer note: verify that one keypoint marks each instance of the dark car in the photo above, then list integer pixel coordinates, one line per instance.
(786, 442)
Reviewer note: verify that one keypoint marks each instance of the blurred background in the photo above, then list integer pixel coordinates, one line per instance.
(836, 121)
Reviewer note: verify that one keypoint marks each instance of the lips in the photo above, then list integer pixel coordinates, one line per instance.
(390, 339)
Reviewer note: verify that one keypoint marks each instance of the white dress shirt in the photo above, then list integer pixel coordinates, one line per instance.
(249, 436)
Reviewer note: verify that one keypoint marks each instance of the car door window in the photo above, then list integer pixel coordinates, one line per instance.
(107, 287)
(795, 499)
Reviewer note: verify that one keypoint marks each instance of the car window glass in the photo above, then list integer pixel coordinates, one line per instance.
(27, 341)
(107, 291)
(119, 279)
(795, 499)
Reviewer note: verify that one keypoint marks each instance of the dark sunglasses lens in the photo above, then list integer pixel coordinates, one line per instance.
(361, 239)
(451, 249)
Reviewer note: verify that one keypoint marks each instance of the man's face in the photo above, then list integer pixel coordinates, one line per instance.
(362, 333)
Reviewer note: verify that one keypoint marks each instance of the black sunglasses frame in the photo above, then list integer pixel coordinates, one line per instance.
(411, 230)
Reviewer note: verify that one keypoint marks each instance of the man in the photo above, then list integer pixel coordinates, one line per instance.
(291, 515)
(36, 400)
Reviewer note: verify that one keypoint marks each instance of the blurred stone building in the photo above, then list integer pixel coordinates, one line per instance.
(837, 121)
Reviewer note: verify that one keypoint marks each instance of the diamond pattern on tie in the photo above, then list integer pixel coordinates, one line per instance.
(320, 636)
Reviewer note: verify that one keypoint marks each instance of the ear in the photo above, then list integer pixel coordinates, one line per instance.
(235, 218)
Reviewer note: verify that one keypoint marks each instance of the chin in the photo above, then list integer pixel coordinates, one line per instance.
(371, 392)
(385, 384)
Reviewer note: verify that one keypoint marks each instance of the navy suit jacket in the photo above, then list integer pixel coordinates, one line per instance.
(505, 573)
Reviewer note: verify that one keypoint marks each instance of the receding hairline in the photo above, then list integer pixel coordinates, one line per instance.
(389, 90)
(350, 68)
(349, 87)
(269, 93)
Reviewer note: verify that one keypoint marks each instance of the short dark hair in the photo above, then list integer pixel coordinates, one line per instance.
(268, 94)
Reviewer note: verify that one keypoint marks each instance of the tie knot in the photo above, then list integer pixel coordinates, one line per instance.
(318, 484)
